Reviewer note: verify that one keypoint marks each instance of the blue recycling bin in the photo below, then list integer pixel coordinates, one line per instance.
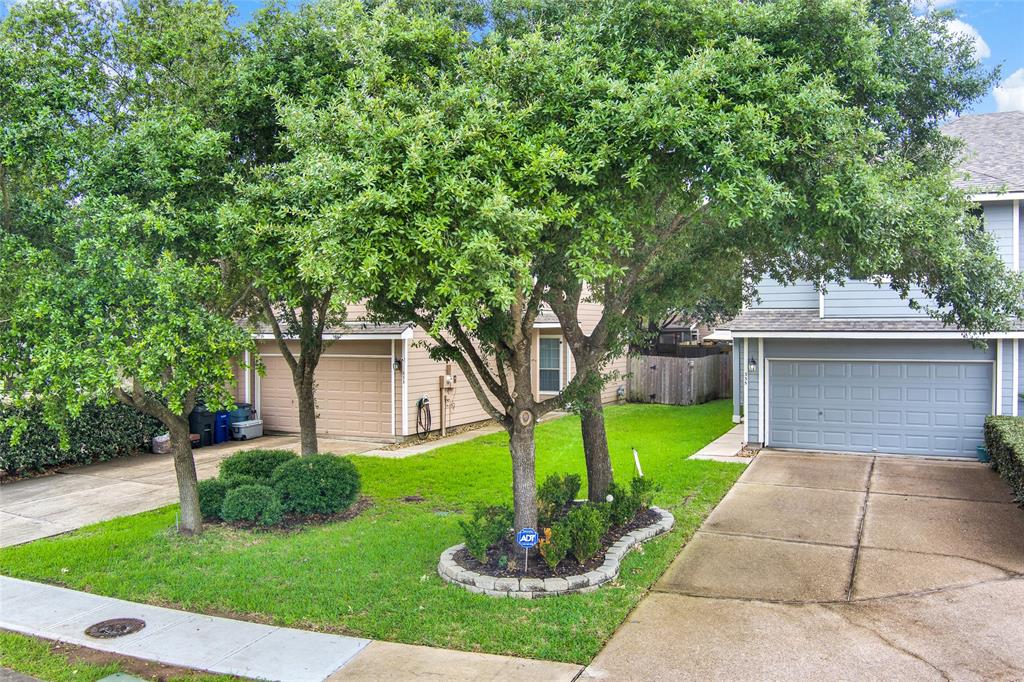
(222, 426)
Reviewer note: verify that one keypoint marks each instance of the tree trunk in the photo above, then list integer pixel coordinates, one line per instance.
(191, 522)
(524, 474)
(306, 393)
(595, 447)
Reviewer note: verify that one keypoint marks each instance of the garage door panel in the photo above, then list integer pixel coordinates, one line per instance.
(977, 397)
(862, 393)
(835, 392)
(889, 393)
(889, 370)
(920, 408)
(920, 395)
(862, 417)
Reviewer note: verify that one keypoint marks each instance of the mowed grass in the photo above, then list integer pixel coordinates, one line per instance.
(375, 576)
(39, 659)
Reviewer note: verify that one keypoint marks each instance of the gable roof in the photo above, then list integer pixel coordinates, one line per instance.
(994, 154)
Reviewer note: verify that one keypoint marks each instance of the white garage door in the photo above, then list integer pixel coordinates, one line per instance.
(916, 408)
(352, 397)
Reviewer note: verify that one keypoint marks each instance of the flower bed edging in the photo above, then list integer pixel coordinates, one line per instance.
(530, 588)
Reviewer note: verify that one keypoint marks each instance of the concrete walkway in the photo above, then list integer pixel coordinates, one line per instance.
(251, 650)
(726, 448)
(839, 567)
(419, 447)
(39, 507)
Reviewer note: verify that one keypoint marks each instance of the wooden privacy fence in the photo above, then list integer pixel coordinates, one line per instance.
(679, 381)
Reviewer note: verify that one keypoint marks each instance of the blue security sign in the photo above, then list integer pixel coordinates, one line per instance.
(526, 538)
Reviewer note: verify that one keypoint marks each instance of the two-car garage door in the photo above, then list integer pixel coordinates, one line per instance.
(917, 408)
(352, 396)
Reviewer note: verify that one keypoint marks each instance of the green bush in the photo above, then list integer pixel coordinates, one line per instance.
(625, 504)
(235, 480)
(554, 494)
(258, 503)
(554, 545)
(621, 508)
(487, 527)
(1004, 438)
(259, 464)
(316, 484)
(585, 525)
(211, 497)
(642, 491)
(98, 433)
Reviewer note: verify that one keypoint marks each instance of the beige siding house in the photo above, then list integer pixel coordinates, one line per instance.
(371, 377)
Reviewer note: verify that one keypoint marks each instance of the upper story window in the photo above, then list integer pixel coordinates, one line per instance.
(550, 364)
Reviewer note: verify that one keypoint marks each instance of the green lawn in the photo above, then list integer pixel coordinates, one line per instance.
(376, 576)
(37, 658)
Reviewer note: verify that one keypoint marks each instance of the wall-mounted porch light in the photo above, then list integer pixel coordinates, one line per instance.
(397, 365)
(752, 366)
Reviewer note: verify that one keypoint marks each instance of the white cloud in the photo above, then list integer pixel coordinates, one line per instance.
(1010, 93)
(926, 5)
(981, 48)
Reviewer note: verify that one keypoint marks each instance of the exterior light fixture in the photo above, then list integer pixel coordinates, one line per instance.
(752, 367)
(397, 365)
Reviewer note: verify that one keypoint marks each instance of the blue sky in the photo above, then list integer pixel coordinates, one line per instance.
(997, 27)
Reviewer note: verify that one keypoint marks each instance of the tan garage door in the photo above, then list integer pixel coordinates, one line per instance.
(352, 397)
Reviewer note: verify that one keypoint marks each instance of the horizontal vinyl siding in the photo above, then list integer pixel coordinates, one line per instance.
(858, 298)
(999, 224)
(753, 407)
(424, 379)
(773, 295)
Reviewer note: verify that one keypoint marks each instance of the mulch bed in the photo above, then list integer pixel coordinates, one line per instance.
(514, 555)
(296, 522)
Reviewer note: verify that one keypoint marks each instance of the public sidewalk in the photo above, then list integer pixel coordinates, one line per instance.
(726, 448)
(252, 650)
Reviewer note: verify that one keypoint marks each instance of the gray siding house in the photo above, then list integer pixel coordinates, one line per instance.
(855, 369)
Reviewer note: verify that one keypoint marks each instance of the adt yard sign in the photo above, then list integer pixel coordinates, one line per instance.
(526, 538)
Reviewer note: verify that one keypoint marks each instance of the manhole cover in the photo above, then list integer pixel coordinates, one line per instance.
(115, 627)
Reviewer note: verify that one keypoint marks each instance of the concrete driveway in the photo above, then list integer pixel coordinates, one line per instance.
(77, 496)
(839, 567)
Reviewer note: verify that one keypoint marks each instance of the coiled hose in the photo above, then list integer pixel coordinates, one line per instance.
(423, 417)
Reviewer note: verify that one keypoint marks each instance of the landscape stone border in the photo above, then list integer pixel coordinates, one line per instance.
(530, 588)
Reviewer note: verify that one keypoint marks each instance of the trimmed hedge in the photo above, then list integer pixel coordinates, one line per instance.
(316, 484)
(1004, 438)
(258, 503)
(99, 433)
(211, 497)
(256, 464)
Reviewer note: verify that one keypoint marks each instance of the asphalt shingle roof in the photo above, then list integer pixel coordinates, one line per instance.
(354, 327)
(994, 157)
(805, 320)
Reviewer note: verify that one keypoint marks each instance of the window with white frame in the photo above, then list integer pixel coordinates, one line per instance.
(550, 364)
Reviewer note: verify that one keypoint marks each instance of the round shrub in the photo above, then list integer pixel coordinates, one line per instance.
(257, 503)
(316, 484)
(259, 464)
(211, 497)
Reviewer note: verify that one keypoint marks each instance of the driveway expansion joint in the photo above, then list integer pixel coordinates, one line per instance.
(774, 538)
(860, 531)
